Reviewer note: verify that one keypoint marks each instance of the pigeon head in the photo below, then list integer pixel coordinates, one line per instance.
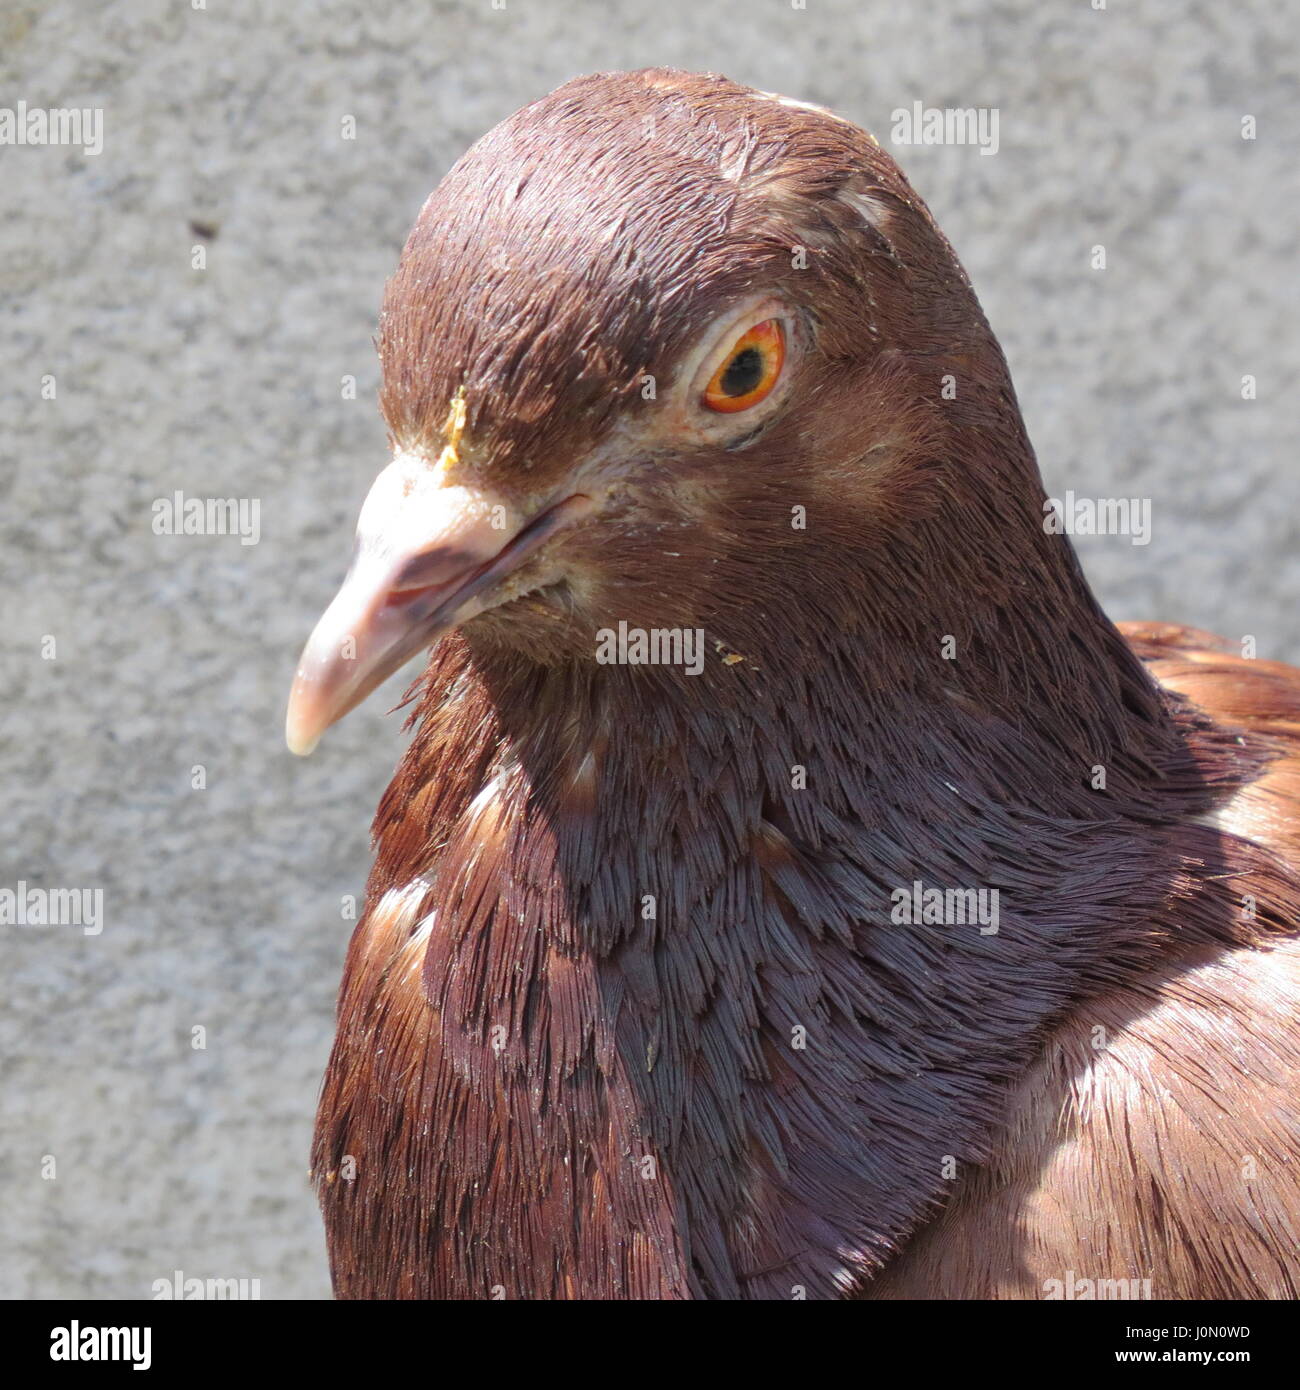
(668, 351)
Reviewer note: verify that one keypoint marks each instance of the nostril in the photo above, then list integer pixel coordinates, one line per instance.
(437, 568)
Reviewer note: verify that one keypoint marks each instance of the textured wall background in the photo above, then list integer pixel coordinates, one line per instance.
(222, 905)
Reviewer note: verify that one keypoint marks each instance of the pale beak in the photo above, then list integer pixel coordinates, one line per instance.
(427, 560)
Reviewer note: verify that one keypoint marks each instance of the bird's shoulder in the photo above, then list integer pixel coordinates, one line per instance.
(1220, 676)
(1259, 699)
(1149, 1153)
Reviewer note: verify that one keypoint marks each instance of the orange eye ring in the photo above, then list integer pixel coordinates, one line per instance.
(751, 369)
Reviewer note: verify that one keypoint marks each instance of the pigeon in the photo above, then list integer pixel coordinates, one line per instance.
(795, 886)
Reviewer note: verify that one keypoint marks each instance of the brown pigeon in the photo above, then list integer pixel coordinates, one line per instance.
(795, 886)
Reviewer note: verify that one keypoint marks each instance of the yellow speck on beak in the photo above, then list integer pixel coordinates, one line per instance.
(452, 431)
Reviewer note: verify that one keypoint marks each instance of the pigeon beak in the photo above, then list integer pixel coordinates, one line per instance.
(428, 558)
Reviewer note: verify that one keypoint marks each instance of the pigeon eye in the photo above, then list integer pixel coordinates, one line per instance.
(750, 370)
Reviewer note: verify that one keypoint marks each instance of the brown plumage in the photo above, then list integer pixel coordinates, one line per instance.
(627, 1015)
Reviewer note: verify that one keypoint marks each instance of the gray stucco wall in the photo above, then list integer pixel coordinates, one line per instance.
(222, 905)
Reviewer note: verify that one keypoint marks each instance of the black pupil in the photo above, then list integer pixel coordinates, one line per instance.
(744, 372)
